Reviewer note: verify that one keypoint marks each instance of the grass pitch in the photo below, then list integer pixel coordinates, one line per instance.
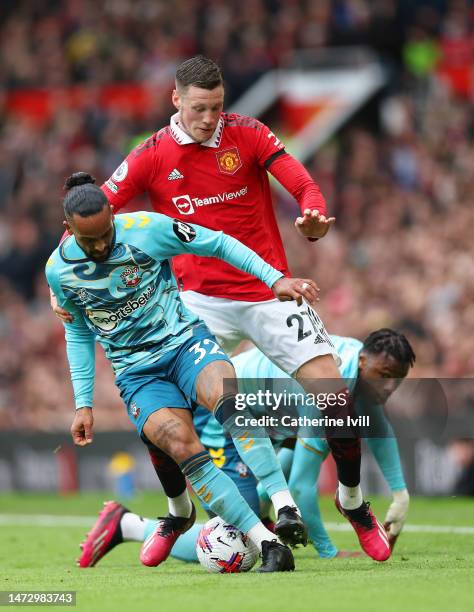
(428, 571)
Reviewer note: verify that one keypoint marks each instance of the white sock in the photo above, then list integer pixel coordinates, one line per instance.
(181, 505)
(259, 533)
(133, 527)
(350, 498)
(283, 498)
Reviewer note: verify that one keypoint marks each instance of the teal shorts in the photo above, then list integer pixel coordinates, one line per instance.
(169, 382)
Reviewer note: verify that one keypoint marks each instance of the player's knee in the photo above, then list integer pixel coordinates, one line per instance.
(181, 450)
(320, 367)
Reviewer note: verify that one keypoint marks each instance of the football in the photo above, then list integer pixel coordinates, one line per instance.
(223, 549)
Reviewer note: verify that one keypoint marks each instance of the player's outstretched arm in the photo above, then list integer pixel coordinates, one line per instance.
(293, 176)
(177, 237)
(386, 453)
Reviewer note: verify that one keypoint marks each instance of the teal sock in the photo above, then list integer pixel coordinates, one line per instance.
(304, 475)
(150, 526)
(259, 455)
(185, 546)
(254, 447)
(285, 457)
(218, 491)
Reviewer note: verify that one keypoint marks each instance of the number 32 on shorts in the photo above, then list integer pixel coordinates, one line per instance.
(201, 351)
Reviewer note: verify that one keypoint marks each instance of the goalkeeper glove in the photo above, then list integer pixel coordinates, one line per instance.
(396, 516)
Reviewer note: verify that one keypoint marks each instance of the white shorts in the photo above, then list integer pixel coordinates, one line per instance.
(288, 334)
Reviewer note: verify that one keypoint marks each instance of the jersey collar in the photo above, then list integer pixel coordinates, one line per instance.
(182, 138)
(71, 252)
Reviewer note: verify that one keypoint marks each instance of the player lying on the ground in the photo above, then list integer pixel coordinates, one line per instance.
(385, 355)
(113, 276)
(211, 167)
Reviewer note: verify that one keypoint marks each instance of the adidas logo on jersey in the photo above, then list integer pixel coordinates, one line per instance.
(174, 175)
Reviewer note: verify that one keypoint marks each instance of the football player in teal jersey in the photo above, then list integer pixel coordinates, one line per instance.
(382, 360)
(113, 276)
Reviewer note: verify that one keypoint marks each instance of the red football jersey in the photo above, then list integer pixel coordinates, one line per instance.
(221, 184)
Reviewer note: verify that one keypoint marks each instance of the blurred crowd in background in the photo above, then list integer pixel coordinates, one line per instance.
(401, 184)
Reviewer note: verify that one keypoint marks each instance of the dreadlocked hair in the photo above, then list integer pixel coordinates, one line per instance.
(392, 343)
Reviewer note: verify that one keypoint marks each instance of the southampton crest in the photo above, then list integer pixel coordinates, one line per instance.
(134, 410)
(130, 276)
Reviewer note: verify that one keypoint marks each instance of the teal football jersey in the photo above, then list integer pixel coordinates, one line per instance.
(130, 303)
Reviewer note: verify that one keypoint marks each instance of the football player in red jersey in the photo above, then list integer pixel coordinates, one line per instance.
(211, 168)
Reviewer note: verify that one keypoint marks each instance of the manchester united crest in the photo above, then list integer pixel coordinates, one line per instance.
(228, 161)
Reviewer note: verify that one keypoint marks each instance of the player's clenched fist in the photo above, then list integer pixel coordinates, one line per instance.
(81, 428)
(286, 289)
